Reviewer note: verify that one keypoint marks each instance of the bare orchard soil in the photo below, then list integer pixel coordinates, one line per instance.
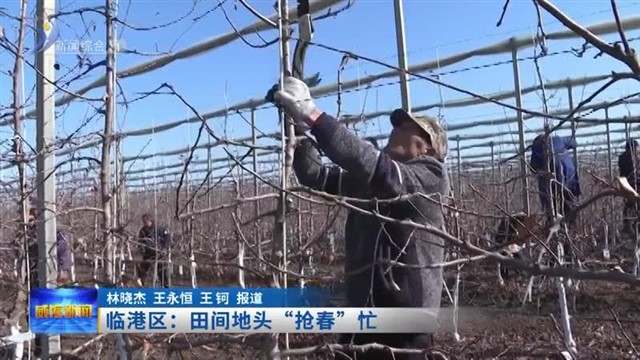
(532, 330)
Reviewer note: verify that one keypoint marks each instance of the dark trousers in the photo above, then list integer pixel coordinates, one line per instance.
(32, 264)
(33, 274)
(564, 205)
(399, 341)
(630, 215)
(564, 202)
(148, 263)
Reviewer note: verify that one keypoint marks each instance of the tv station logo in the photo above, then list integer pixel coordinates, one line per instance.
(63, 311)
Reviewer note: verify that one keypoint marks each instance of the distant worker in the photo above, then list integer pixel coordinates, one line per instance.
(628, 163)
(63, 250)
(562, 186)
(413, 161)
(154, 239)
(32, 247)
(65, 256)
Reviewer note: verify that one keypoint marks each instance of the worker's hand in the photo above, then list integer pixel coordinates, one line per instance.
(63, 278)
(295, 100)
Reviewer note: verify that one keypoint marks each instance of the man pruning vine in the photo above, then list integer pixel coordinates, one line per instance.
(412, 162)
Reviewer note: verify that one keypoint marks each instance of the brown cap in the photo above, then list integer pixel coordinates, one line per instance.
(430, 125)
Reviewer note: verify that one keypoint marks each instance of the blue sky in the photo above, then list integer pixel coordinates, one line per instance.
(237, 72)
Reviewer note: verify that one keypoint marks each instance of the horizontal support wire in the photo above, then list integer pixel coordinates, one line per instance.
(504, 46)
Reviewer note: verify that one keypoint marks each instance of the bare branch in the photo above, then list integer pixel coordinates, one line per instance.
(504, 11)
(615, 52)
(623, 37)
(257, 14)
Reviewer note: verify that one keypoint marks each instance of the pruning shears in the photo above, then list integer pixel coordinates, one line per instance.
(305, 31)
(305, 34)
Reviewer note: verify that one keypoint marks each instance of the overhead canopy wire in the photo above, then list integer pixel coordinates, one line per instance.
(471, 156)
(225, 111)
(358, 83)
(501, 33)
(629, 24)
(450, 128)
(189, 52)
(155, 211)
(365, 117)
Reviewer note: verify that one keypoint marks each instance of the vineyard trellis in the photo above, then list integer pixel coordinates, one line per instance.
(224, 215)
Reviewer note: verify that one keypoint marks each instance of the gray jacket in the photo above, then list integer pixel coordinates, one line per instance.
(364, 172)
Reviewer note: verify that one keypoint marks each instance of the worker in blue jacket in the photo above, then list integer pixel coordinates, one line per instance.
(565, 185)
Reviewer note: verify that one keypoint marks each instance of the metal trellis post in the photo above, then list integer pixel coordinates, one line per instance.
(402, 55)
(610, 165)
(105, 170)
(459, 166)
(255, 186)
(45, 164)
(521, 150)
(287, 143)
(493, 163)
(573, 124)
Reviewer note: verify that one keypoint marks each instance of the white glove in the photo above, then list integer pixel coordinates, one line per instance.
(295, 100)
